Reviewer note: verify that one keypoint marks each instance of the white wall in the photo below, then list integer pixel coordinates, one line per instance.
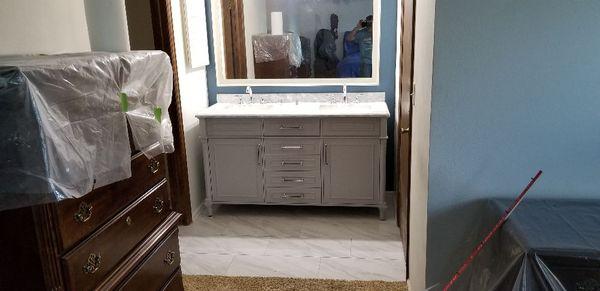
(43, 26)
(255, 22)
(419, 182)
(194, 96)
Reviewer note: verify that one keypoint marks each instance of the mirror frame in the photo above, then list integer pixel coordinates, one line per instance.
(219, 53)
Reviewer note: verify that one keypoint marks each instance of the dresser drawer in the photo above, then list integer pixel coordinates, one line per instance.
(175, 283)
(294, 195)
(293, 179)
(292, 163)
(77, 218)
(233, 127)
(88, 263)
(156, 271)
(292, 146)
(352, 127)
(292, 127)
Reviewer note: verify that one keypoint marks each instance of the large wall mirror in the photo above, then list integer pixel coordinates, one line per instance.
(296, 42)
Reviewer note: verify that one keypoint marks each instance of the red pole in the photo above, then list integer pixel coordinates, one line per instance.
(499, 224)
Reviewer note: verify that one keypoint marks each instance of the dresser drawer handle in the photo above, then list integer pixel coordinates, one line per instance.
(154, 166)
(293, 180)
(298, 147)
(286, 163)
(159, 205)
(170, 258)
(287, 127)
(93, 264)
(84, 213)
(128, 221)
(293, 196)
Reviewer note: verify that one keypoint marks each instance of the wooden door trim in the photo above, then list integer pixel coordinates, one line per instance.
(162, 24)
(405, 108)
(234, 39)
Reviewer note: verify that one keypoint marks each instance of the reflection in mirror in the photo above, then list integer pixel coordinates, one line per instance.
(287, 39)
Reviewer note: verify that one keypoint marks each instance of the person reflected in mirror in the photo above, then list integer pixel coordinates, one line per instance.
(326, 59)
(362, 35)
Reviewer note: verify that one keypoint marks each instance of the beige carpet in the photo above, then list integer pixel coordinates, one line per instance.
(197, 283)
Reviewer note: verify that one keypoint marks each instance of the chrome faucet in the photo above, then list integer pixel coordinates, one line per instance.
(345, 93)
(250, 94)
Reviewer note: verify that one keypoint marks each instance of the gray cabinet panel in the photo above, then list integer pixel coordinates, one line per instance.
(234, 127)
(351, 171)
(351, 127)
(292, 146)
(236, 170)
(292, 127)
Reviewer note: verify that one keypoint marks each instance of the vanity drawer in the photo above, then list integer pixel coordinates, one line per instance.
(79, 217)
(87, 264)
(292, 163)
(292, 127)
(293, 179)
(294, 195)
(351, 127)
(157, 269)
(292, 146)
(233, 127)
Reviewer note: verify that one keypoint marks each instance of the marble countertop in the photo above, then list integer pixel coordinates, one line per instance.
(370, 104)
(301, 109)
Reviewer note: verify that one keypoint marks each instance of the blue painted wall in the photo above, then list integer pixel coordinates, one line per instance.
(516, 87)
(387, 77)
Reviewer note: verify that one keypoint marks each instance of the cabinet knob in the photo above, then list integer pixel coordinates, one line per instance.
(154, 166)
(84, 213)
(169, 258)
(93, 264)
(159, 205)
(405, 130)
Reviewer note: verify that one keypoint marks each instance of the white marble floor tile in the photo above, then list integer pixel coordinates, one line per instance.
(377, 249)
(205, 264)
(223, 245)
(274, 266)
(362, 269)
(308, 247)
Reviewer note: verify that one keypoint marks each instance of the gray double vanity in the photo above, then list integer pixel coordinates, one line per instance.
(325, 150)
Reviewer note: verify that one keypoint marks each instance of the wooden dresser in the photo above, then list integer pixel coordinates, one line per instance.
(122, 236)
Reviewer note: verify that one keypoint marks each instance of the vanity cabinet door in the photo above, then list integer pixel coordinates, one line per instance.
(351, 171)
(236, 170)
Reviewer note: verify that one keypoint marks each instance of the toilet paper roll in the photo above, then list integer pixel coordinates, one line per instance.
(276, 23)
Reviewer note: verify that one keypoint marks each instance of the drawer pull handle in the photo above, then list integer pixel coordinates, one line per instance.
(159, 205)
(287, 127)
(170, 258)
(325, 153)
(154, 166)
(298, 147)
(84, 213)
(258, 150)
(286, 163)
(293, 196)
(128, 221)
(293, 180)
(93, 264)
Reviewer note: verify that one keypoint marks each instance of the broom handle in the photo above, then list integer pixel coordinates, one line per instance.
(499, 224)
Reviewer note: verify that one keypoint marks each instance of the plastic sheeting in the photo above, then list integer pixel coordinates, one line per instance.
(63, 121)
(545, 245)
(268, 48)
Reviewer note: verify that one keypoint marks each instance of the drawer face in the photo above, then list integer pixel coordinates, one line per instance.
(77, 218)
(156, 270)
(293, 179)
(292, 163)
(351, 127)
(294, 195)
(292, 127)
(233, 127)
(292, 146)
(87, 264)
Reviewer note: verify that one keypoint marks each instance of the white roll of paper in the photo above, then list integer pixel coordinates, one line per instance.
(277, 23)
(107, 25)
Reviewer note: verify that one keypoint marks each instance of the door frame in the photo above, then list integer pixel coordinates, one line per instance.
(162, 25)
(403, 130)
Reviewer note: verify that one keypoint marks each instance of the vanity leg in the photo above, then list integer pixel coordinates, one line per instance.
(382, 212)
(209, 208)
